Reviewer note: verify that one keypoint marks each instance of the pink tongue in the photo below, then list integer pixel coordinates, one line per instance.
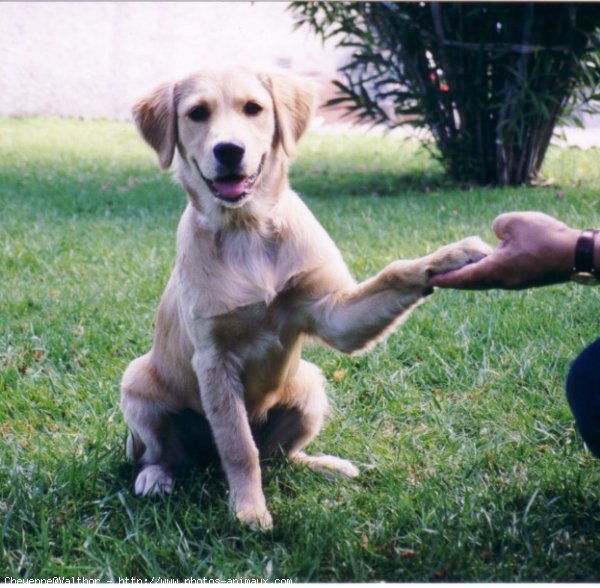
(230, 189)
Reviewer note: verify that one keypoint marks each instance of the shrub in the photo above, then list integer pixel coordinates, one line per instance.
(489, 80)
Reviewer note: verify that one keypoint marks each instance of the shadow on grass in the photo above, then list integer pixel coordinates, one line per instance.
(146, 192)
(371, 183)
(120, 191)
(89, 192)
(544, 534)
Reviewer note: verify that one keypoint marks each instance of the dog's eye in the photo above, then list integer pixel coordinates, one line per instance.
(252, 108)
(199, 113)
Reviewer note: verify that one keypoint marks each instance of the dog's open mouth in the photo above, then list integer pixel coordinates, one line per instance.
(232, 188)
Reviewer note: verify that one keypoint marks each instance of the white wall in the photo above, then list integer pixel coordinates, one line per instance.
(88, 59)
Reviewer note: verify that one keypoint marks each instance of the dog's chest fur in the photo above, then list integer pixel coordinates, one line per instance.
(237, 279)
(245, 269)
(246, 309)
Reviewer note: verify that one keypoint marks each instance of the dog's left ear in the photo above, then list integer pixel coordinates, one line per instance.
(294, 100)
(155, 118)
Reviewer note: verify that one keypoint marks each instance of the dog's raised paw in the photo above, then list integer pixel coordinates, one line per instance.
(474, 249)
(457, 255)
(153, 480)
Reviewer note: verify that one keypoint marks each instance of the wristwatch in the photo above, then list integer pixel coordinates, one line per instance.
(584, 271)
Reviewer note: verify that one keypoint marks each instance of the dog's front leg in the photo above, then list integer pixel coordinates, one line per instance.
(222, 395)
(354, 316)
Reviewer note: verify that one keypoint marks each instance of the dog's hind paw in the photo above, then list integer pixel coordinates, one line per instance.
(153, 479)
(327, 465)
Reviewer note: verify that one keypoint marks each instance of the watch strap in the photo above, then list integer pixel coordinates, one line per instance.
(584, 252)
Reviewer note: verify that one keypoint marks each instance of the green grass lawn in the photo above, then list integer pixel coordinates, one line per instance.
(472, 469)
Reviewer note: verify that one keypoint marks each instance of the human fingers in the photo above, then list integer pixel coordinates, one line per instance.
(512, 225)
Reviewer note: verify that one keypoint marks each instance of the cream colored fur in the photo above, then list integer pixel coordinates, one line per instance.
(252, 280)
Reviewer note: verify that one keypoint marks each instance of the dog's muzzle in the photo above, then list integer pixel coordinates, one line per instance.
(232, 189)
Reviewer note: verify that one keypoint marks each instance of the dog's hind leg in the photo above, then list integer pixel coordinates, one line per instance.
(290, 426)
(163, 438)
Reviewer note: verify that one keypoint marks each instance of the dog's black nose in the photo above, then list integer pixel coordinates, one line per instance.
(229, 154)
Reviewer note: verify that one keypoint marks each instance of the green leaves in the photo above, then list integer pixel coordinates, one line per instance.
(491, 80)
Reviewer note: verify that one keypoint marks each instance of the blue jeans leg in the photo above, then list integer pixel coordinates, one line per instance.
(583, 394)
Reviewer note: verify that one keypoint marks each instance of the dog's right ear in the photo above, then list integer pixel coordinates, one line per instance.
(155, 117)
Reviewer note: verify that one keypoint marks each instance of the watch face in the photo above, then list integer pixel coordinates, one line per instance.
(586, 278)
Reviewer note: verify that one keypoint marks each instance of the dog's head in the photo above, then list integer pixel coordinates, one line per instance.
(227, 128)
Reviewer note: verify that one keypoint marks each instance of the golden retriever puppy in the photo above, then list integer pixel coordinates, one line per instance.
(255, 276)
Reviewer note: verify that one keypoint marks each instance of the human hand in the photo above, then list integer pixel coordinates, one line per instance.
(535, 250)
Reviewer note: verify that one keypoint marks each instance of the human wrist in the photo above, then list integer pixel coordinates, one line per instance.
(566, 256)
